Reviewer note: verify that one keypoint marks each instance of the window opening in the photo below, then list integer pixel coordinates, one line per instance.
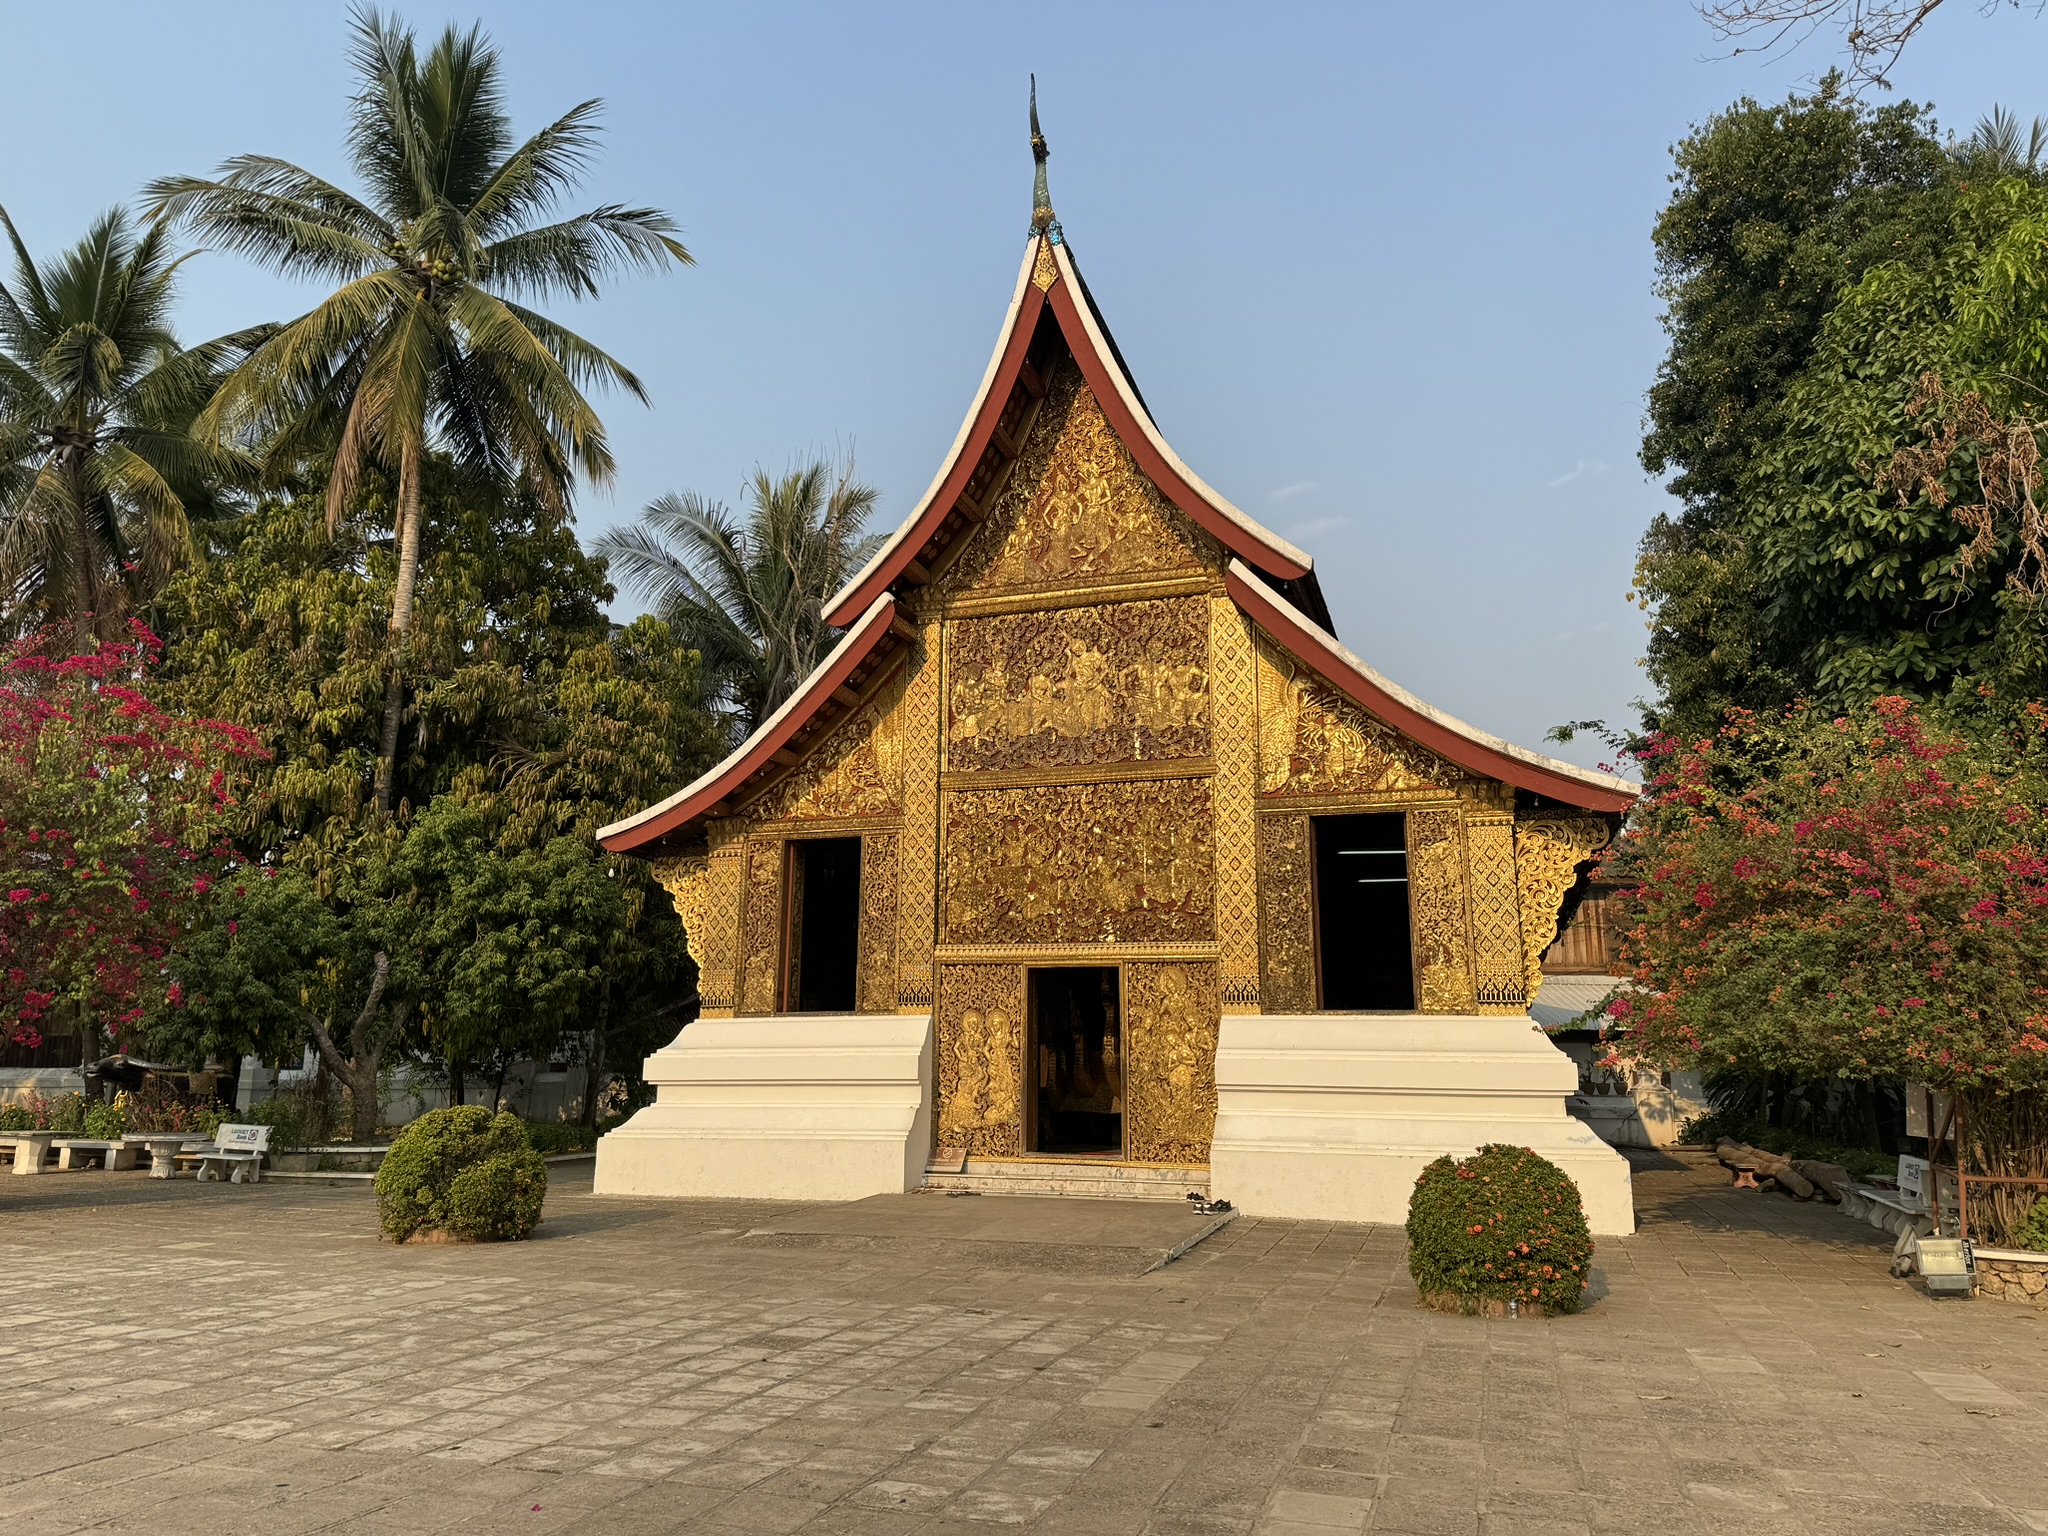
(824, 924)
(1076, 1061)
(1364, 959)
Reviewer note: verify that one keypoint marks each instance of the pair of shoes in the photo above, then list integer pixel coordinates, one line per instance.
(1209, 1207)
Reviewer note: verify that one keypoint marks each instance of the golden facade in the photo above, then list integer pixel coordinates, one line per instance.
(1085, 752)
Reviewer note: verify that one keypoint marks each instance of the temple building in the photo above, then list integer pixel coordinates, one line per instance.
(1090, 860)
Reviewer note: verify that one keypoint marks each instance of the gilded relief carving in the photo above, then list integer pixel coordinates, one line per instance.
(1233, 684)
(1078, 685)
(1548, 853)
(1287, 932)
(981, 1059)
(1500, 985)
(706, 894)
(1170, 1014)
(688, 883)
(857, 771)
(1436, 896)
(1314, 741)
(1115, 862)
(877, 963)
(917, 894)
(1076, 508)
(761, 927)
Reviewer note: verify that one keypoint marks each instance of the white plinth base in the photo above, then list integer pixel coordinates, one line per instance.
(793, 1107)
(1331, 1116)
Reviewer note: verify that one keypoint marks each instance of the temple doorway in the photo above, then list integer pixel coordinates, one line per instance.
(824, 925)
(1076, 1062)
(1364, 958)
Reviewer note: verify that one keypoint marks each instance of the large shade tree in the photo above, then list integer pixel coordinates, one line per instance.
(749, 595)
(427, 342)
(96, 463)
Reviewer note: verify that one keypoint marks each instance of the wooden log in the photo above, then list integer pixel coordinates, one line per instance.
(1831, 1179)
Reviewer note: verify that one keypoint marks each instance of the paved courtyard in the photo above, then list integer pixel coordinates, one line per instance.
(211, 1359)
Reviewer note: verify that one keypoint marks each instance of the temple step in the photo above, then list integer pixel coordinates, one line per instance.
(1070, 1176)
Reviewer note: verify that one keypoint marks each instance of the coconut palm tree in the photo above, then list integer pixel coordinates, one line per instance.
(96, 463)
(424, 344)
(749, 596)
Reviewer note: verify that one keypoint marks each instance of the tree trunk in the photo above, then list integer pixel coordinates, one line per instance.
(401, 621)
(455, 1084)
(359, 1068)
(498, 1088)
(594, 1078)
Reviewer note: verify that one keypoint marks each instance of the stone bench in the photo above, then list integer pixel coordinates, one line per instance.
(74, 1152)
(29, 1148)
(236, 1150)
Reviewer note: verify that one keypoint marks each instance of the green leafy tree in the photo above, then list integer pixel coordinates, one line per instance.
(1892, 520)
(97, 469)
(748, 596)
(425, 344)
(1775, 213)
(284, 630)
(277, 962)
(498, 952)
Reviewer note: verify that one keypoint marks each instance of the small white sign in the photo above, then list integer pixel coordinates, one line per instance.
(1913, 1179)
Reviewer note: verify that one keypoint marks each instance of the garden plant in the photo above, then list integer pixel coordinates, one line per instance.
(1501, 1230)
(461, 1175)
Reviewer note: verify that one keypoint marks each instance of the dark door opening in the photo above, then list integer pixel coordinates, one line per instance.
(824, 924)
(1076, 1061)
(1363, 954)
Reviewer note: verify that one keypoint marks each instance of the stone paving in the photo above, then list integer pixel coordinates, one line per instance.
(211, 1359)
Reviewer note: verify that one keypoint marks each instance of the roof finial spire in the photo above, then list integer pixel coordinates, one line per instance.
(1042, 220)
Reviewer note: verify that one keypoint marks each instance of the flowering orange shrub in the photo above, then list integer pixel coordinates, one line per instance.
(1503, 1225)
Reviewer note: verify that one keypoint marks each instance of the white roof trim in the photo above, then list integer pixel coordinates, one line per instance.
(880, 612)
(1257, 530)
(988, 378)
(1345, 657)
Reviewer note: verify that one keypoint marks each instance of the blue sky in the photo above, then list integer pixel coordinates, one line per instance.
(1383, 272)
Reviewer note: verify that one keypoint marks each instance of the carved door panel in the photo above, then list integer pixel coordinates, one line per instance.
(981, 1058)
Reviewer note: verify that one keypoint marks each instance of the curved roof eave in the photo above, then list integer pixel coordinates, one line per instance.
(1111, 385)
(910, 536)
(1242, 535)
(758, 751)
(1467, 745)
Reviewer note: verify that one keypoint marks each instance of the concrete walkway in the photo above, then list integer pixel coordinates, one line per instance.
(209, 1359)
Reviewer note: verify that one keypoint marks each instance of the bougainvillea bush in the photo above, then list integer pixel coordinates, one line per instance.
(113, 815)
(1502, 1226)
(1862, 895)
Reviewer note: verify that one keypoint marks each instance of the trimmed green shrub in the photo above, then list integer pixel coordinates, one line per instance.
(285, 1115)
(462, 1171)
(1501, 1226)
(551, 1138)
(498, 1199)
(2033, 1232)
(107, 1122)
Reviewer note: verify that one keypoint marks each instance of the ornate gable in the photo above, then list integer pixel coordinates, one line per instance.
(1075, 510)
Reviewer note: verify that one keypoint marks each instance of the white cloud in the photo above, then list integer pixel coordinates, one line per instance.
(1585, 469)
(1316, 527)
(1299, 488)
